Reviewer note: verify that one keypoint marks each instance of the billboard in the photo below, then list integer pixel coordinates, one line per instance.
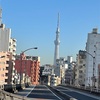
(47, 70)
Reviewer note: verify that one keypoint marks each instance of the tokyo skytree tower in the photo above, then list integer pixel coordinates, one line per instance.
(57, 43)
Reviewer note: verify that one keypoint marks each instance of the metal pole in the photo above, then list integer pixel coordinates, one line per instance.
(93, 73)
(21, 60)
(93, 77)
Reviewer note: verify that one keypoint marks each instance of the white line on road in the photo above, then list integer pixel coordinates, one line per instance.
(30, 91)
(54, 94)
(89, 95)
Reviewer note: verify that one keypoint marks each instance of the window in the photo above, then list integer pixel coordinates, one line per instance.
(80, 71)
(3, 69)
(2, 75)
(7, 68)
(80, 76)
(83, 64)
(7, 62)
(80, 66)
(81, 61)
(6, 80)
(6, 74)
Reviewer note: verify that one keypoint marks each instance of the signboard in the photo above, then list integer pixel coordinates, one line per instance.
(47, 70)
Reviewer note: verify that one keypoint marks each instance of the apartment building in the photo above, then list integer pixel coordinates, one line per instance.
(92, 58)
(8, 44)
(80, 68)
(59, 70)
(4, 67)
(29, 66)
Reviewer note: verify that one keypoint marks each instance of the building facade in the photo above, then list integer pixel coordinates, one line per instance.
(7, 44)
(28, 68)
(92, 58)
(69, 70)
(5, 35)
(4, 67)
(80, 69)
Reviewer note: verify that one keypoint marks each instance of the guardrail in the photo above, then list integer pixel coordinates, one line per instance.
(9, 96)
(6, 89)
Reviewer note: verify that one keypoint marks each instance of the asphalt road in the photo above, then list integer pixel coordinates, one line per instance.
(77, 94)
(42, 92)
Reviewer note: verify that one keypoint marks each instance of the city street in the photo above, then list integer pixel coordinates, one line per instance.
(42, 92)
(79, 95)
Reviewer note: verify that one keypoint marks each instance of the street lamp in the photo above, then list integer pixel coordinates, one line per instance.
(93, 77)
(21, 60)
(29, 49)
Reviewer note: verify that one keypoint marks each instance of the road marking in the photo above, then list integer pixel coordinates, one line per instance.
(53, 93)
(65, 93)
(83, 93)
(30, 91)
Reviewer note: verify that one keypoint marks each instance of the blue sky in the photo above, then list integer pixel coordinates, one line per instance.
(34, 23)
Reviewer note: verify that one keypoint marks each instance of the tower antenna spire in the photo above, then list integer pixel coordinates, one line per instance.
(0, 16)
(0, 3)
(58, 29)
(57, 43)
(58, 21)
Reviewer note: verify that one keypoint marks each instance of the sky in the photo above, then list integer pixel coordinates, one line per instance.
(34, 23)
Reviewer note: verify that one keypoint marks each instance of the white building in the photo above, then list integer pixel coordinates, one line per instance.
(5, 34)
(54, 80)
(92, 58)
(69, 59)
(59, 69)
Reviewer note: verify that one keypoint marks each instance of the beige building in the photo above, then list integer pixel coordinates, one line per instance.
(4, 66)
(80, 69)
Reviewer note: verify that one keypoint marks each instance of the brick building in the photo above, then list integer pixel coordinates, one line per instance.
(28, 67)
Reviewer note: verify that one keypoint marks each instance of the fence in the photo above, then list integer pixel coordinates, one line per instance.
(10, 96)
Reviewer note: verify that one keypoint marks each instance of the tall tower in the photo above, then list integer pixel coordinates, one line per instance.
(0, 16)
(57, 43)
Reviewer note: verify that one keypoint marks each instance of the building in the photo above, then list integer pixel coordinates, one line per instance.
(54, 80)
(80, 69)
(12, 50)
(45, 73)
(28, 67)
(5, 35)
(92, 58)
(47, 70)
(4, 67)
(69, 70)
(69, 74)
(57, 43)
(69, 59)
(8, 44)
